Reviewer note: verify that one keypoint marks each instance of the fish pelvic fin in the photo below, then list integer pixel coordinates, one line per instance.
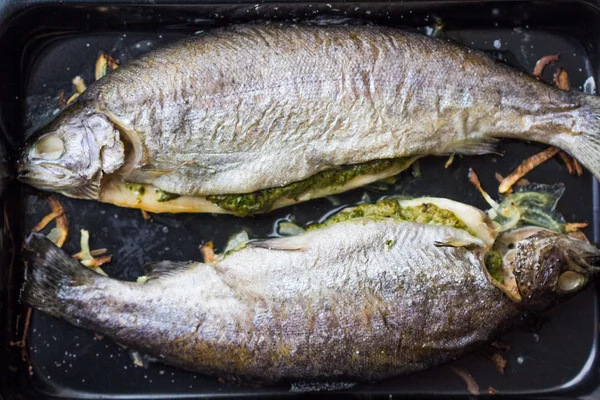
(477, 146)
(157, 269)
(291, 243)
(50, 270)
(88, 191)
(467, 243)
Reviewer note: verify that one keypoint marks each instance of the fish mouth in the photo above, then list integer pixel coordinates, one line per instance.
(42, 176)
(589, 262)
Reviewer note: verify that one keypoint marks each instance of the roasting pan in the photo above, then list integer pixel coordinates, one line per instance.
(44, 44)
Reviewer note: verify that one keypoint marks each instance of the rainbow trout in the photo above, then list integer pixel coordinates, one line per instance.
(249, 118)
(377, 291)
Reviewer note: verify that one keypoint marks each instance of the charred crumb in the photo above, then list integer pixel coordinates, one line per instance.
(472, 385)
(526, 166)
(499, 362)
(500, 345)
(543, 62)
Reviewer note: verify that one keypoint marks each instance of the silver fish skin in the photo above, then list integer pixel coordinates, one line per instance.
(252, 107)
(360, 300)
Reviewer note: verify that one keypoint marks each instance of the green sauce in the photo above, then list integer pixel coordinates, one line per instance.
(426, 214)
(138, 189)
(494, 265)
(263, 200)
(166, 196)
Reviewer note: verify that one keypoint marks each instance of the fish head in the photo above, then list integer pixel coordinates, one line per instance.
(71, 153)
(549, 266)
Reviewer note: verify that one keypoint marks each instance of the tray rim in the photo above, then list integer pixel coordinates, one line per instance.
(11, 9)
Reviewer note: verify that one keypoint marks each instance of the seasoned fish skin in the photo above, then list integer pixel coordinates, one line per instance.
(344, 303)
(258, 106)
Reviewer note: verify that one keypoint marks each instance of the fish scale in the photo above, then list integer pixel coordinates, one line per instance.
(340, 281)
(336, 303)
(253, 107)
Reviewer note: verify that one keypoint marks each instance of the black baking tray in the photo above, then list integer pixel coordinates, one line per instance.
(44, 44)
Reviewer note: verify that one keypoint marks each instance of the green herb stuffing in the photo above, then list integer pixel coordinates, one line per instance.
(426, 214)
(246, 204)
(166, 196)
(138, 189)
(494, 265)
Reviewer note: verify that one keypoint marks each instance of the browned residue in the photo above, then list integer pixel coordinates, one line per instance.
(79, 84)
(498, 361)
(573, 230)
(522, 182)
(578, 167)
(474, 179)
(93, 262)
(525, 167)
(561, 79)
(575, 226)
(450, 161)
(62, 100)
(491, 390)
(89, 257)
(543, 62)
(58, 214)
(23, 342)
(208, 252)
(573, 166)
(472, 385)
(568, 161)
(104, 64)
(500, 345)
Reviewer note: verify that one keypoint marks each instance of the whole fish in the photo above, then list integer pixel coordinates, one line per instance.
(378, 291)
(252, 117)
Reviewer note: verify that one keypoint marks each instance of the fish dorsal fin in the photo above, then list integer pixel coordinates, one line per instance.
(292, 243)
(157, 269)
(477, 146)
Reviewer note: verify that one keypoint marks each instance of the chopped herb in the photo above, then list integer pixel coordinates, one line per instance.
(426, 214)
(139, 189)
(166, 196)
(389, 244)
(236, 242)
(262, 200)
(494, 265)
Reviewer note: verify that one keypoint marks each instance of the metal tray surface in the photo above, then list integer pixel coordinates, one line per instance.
(43, 45)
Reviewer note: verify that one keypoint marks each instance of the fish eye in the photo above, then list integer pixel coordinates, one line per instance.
(570, 281)
(49, 148)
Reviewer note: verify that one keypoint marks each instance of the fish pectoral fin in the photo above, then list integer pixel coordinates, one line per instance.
(477, 146)
(157, 269)
(467, 243)
(89, 191)
(292, 243)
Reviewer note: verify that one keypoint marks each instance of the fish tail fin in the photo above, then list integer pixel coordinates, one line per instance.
(50, 271)
(586, 148)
